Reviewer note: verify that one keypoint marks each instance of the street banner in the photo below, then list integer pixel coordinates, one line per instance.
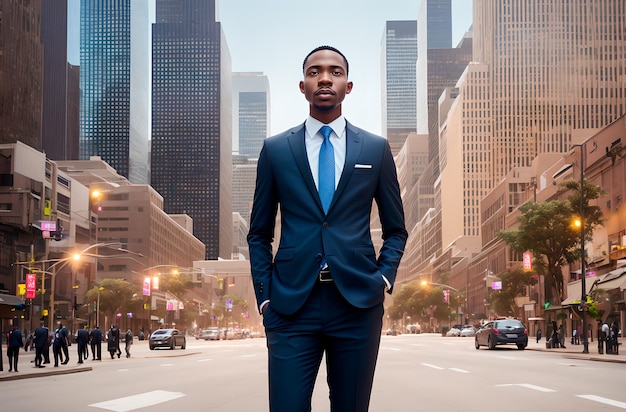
(528, 261)
(31, 285)
(146, 287)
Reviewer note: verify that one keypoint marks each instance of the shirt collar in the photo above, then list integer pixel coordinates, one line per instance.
(313, 125)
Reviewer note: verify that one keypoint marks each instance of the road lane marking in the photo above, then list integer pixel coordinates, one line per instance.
(204, 360)
(432, 366)
(249, 356)
(167, 364)
(506, 357)
(122, 370)
(528, 386)
(459, 370)
(606, 401)
(142, 400)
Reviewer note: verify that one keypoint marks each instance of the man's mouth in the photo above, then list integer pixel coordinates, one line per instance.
(325, 92)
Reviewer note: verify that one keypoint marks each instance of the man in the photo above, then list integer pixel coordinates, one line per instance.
(14, 343)
(128, 340)
(323, 291)
(64, 337)
(96, 343)
(40, 339)
(113, 341)
(82, 338)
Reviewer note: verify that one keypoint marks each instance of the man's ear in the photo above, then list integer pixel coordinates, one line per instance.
(349, 87)
(301, 87)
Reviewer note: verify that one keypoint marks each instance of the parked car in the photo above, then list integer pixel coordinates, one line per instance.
(501, 332)
(453, 332)
(211, 334)
(167, 338)
(468, 331)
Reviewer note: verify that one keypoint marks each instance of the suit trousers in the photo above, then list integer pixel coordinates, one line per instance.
(327, 325)
(13, 354)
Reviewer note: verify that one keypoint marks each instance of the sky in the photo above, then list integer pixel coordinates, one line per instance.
(274, 36)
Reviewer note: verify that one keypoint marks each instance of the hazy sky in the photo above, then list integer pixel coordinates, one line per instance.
(273, 36)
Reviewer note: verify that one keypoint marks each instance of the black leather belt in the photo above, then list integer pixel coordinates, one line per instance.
(324, 276)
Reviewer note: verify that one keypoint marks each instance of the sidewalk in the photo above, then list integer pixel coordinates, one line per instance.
(28, 369)
(576, 351)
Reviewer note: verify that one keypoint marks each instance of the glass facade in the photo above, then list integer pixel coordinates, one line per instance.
(187, 140)
(114, 114)
(252, 122)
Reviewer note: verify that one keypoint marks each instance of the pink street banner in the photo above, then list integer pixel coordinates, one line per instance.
(31, 285)
(146, 287)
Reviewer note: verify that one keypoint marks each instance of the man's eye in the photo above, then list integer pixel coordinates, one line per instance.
(337, 73)
(313, 73)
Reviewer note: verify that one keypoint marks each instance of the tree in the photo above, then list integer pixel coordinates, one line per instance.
(116, 296)
(176, 283)
(514, 282)
(547, 230)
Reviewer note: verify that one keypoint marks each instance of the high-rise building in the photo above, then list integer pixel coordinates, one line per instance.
(556, 70)
(21, 72)
(191, 151)
(399, 54)
(115, 84)
(251, 112)
(59, 130)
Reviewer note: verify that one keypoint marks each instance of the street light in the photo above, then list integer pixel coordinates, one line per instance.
(583, 271)
(425, 282)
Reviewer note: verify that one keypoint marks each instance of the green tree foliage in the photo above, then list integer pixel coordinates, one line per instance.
(514, 283)
(547, 230)
(417, 300)
(116, 296)
(176, 283)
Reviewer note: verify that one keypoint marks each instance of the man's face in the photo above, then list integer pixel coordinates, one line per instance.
(325, 83)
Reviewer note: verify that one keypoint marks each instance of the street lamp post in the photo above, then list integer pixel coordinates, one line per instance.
(424, 283)
(583, 271)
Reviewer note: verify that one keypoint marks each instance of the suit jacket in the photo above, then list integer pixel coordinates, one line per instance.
(40, 338)
(82, 336)
(308, 234)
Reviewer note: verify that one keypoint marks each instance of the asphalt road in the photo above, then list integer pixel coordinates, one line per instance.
(415, 373)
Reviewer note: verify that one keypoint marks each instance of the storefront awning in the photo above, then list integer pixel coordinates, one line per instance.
(11, 300)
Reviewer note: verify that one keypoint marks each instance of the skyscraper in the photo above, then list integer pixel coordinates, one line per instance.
(60, 82)
(191, 119)
(115, 88)
(399, 54)
(556, 70)
(21, 72)
(251, 112)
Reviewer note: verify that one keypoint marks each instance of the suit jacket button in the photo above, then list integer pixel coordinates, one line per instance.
(318, 257)
(325, 225)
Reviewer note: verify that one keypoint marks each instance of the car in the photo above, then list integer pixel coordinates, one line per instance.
(453, 332)
(468, 331)
(501, 332)
(167, 338)
(211, 334)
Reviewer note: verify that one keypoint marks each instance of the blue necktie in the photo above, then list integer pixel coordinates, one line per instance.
(326, 169)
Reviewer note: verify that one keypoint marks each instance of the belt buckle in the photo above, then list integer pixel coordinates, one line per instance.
(324, 272)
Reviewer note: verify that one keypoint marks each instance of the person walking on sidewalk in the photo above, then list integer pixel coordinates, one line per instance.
(82, 338)
(14, 343)
(128, 340)
(95, 336)
(538, 335)
(113, 341)
(64, 335)
(40, 340)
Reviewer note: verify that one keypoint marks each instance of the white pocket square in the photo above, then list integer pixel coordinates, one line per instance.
(360, 166)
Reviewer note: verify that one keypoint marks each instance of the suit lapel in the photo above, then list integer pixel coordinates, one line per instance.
(298, 149)
(354, 144)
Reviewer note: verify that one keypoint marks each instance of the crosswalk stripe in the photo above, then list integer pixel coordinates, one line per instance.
(142, 400)
(606, 401)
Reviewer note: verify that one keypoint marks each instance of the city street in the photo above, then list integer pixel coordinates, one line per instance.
(415, 372)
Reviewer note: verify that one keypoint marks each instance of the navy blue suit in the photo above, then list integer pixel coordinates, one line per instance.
(350, 307)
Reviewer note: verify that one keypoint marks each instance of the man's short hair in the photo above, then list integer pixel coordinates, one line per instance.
(324, 47)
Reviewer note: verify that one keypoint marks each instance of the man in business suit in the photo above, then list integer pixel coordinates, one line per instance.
(95, 337)
(322, 292)
(40, 340)
(82, 338)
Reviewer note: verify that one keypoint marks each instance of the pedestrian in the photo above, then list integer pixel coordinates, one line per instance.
(64, 341)
(113, 341)
(57, 346)
(322, 293)
(15, 342)
(538, 335)
(128, 340)
(614, 335)
(555, 335)
(95, 338)
(562, 336)
(606, 331)
(40, 340)
(82, 338)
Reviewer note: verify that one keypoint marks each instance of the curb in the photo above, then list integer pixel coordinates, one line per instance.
(18, 376)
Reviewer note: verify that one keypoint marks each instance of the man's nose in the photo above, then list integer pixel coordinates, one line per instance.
(325, 78)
